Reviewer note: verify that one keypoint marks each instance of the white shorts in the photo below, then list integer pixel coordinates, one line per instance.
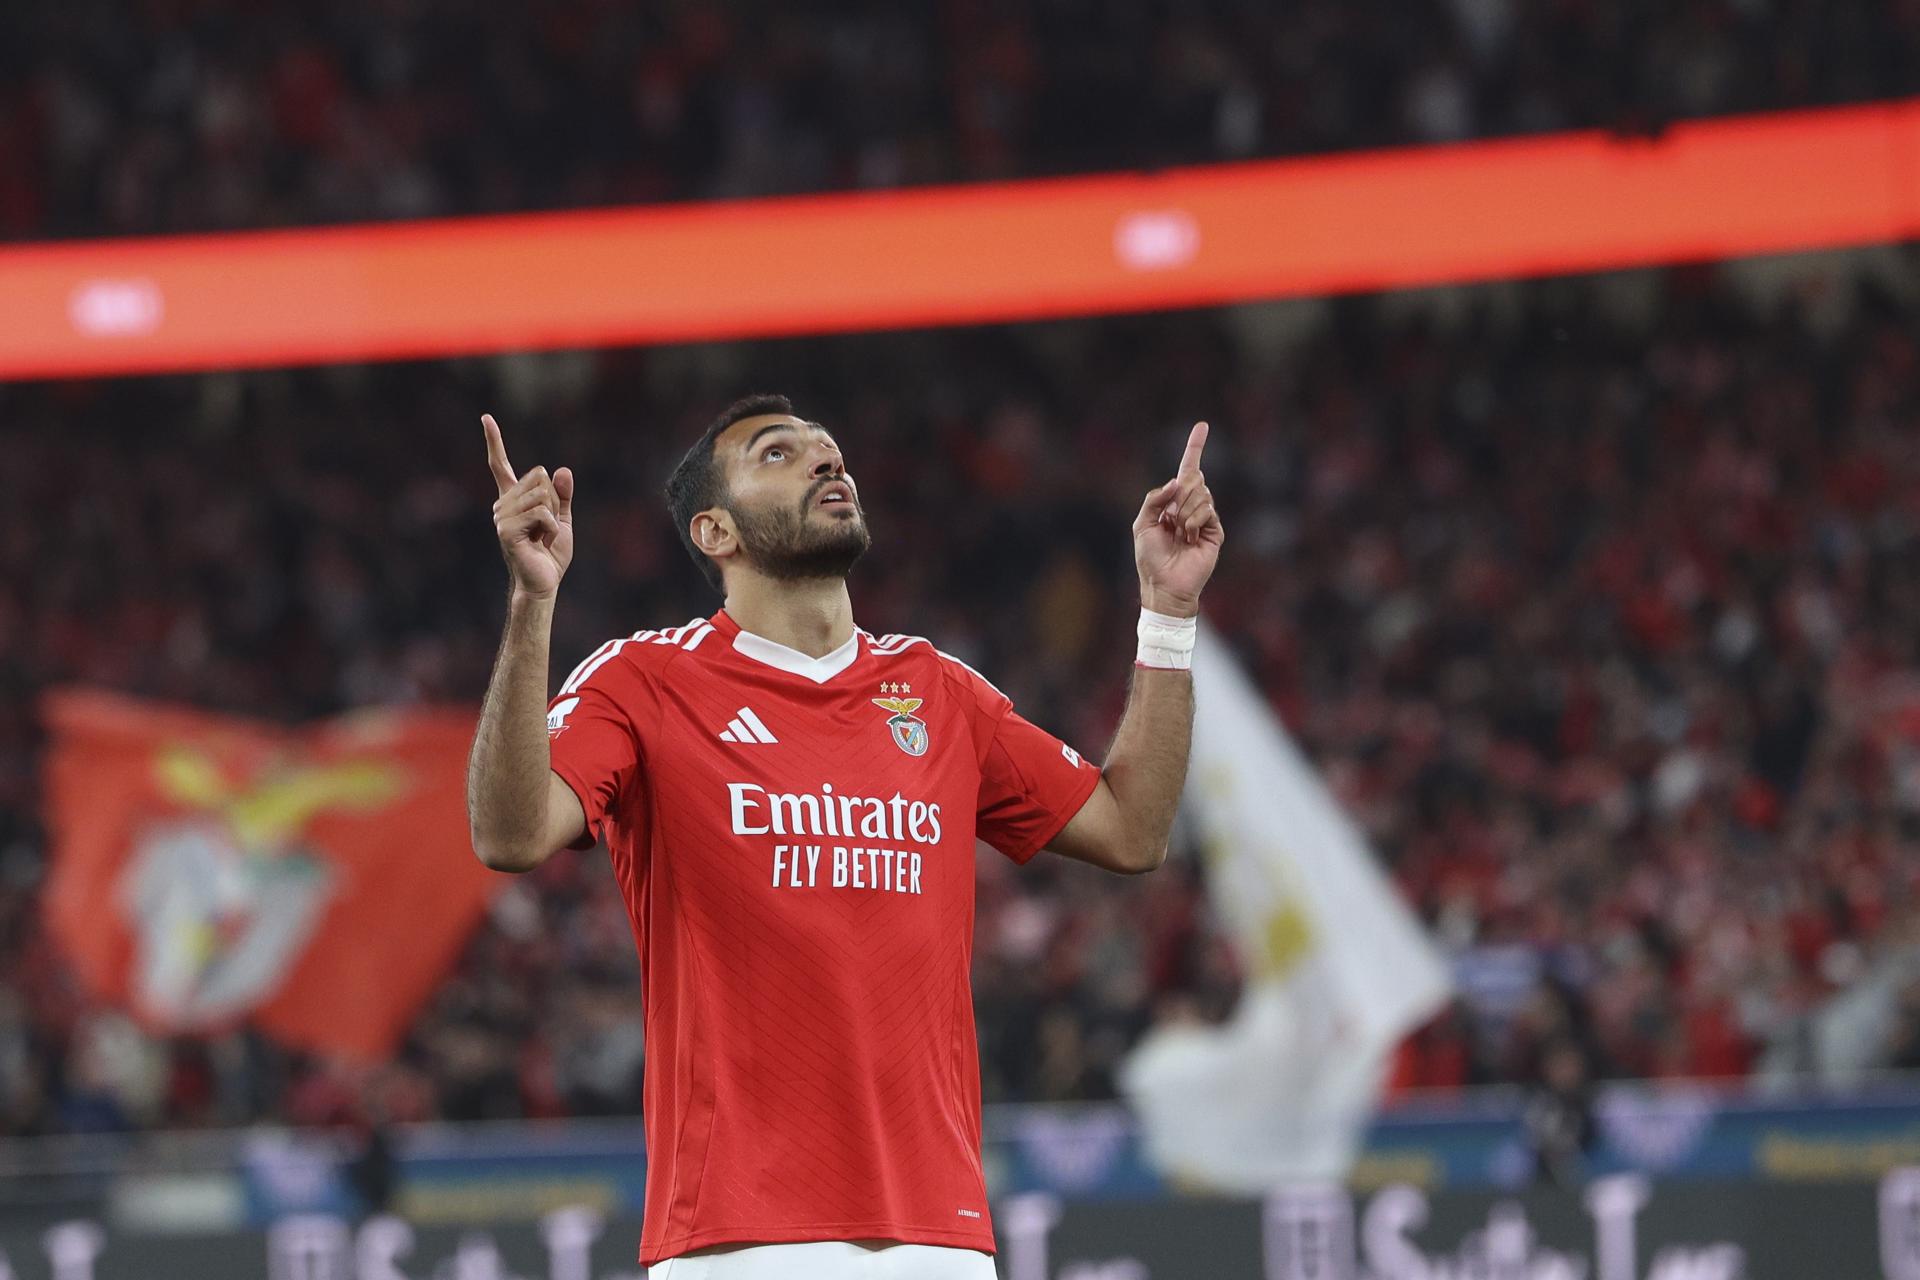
(828, 1260)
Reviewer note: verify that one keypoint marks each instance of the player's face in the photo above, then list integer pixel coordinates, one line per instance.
(791, 499)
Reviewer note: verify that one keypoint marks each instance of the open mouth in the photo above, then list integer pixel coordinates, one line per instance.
(836, 494)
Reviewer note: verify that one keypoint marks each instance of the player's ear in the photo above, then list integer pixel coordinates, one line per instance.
(714, 534)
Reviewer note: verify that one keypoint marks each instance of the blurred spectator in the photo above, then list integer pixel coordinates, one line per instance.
(1559, 1116)
(1903, 1050)
(370, 1173)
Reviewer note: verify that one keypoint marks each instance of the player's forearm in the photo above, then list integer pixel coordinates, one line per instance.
(508, 769)
(1148, 763)
(1176, 541)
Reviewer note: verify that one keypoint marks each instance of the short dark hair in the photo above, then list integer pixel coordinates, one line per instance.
(699, 483)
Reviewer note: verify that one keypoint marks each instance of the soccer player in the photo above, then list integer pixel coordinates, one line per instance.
(791, 806)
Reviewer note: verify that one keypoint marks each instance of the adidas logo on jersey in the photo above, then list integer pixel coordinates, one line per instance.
(746, 727)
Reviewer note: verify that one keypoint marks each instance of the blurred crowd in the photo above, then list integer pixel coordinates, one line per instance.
(1603, 620)
(170, 115)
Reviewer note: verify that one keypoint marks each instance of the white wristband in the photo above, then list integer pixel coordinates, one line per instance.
(1166, 642)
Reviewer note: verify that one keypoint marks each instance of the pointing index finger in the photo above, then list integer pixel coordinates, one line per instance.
(497, 454)
(1190, 460)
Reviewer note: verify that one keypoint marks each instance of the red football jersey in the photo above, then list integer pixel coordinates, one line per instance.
(795, 839)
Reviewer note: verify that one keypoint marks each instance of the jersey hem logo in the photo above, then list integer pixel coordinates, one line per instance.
(909, 730)
(746, 727)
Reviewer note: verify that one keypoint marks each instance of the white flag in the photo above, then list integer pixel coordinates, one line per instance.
(1339, 969)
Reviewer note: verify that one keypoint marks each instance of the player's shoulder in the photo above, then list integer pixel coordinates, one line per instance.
(903, 650)
(645, 654)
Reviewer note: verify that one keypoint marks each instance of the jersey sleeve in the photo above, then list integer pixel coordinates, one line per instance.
(592, 739)
(1031, 783)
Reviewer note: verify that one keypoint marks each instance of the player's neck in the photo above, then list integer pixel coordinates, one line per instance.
(813, 616)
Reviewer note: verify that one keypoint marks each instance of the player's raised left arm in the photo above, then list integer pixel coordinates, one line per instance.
(1177, 537)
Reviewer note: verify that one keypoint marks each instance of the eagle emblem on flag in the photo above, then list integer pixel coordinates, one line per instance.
(909, 731)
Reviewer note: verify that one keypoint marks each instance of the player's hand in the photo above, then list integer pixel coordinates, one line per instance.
(533, 516)
(1177, 536)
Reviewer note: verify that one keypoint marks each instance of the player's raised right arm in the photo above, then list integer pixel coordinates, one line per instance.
(518, 809)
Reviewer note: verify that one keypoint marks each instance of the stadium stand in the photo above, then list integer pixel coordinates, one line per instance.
(174, 115)
(1595, 600)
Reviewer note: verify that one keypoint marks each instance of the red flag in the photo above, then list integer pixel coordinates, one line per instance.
(209, 870)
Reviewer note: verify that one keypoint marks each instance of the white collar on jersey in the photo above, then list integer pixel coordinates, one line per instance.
(819, 670)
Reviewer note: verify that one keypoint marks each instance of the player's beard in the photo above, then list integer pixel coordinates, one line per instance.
(790, 545)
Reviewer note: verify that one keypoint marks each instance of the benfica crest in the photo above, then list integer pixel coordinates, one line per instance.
(909, 730)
